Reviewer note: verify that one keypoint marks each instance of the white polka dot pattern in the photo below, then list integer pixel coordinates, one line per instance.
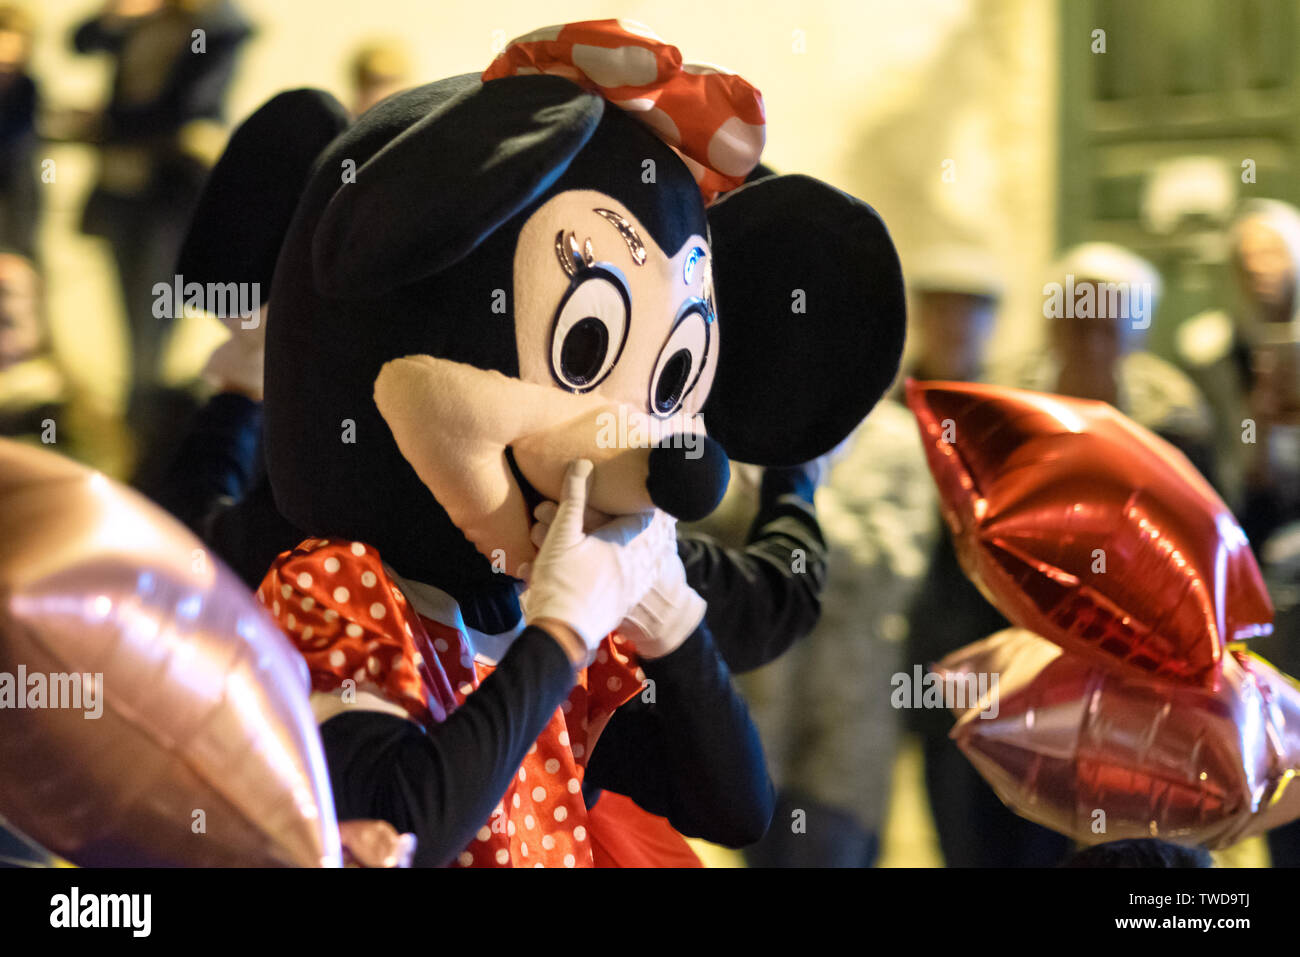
(712, 118)
(373, 636)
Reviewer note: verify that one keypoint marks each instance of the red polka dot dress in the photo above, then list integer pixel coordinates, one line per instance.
(351, 622)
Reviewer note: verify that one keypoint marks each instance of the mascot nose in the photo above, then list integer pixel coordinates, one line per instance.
(688, 480)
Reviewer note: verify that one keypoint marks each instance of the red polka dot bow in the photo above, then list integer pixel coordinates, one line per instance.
(712, 119)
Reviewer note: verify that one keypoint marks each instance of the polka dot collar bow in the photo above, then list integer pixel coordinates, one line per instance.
(712, 119)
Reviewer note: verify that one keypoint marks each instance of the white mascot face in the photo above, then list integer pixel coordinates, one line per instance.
(617, 344)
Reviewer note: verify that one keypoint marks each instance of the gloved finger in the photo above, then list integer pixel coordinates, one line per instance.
(538, 533)
(624, 529)
(525, 572)
(593, 519)
(663, 528)
(567, 527)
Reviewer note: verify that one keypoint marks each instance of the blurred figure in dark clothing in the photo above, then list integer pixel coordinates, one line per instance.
(975, 828)
(32, 386)
(1140, 852)
(173, 62)
(956, 296)
(1266, 260)
(1266, 263)
(1092, 353)
(829, 730)
(19, 102)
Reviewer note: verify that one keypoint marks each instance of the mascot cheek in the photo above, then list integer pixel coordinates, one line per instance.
(456, 443)
(454, 424)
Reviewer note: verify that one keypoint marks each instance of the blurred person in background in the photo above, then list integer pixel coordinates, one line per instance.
(956, 298)
(1265, 241)
(158, 135)
(33, 389)
(1094, 344)
(1225, 349)
(19, 104)
(955, 294)
(1266, 261)
(1188, 203)
(378, 69)
(1097, 352)
(823, 709)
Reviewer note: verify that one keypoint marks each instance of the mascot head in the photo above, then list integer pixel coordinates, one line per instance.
(488, 276)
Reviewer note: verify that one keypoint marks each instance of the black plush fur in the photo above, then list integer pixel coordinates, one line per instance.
(253, 190)
(367, 490)
(791, 384)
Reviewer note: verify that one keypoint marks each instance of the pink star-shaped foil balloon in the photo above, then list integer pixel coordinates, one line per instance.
(1101, 755)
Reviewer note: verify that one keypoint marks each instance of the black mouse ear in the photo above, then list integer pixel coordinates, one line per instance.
(250, 196)
(812, 318)
(429, 197)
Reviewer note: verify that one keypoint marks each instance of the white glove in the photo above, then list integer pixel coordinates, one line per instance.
(670, 610)
(588, 581)
(237, 364)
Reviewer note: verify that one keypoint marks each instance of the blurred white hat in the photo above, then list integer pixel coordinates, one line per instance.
(1111, 263)
(959, 268)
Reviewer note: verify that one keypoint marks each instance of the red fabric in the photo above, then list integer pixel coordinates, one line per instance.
(624, 835)
(713, 119)
(350, 621)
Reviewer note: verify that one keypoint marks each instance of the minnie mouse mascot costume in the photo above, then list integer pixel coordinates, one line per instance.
(472, 284)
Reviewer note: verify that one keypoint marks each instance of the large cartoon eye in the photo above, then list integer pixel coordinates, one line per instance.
(590, 330)
(680, 361)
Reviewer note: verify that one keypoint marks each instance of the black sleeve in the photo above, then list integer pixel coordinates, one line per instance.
(1261, 514)
(28, 420)
(217, 460)
(199, 85)
(196, 90)
(764, 598)
(250, 533)
(98, 34)
(443, 784)
(19, 117)
(693, 755)
(1199, 451)
(217, 486)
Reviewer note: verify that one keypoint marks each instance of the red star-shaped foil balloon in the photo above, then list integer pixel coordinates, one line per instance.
(1087, 529)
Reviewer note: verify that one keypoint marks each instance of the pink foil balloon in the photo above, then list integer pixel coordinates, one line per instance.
(1101, 755)
(205, 751)
(1083, 527)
